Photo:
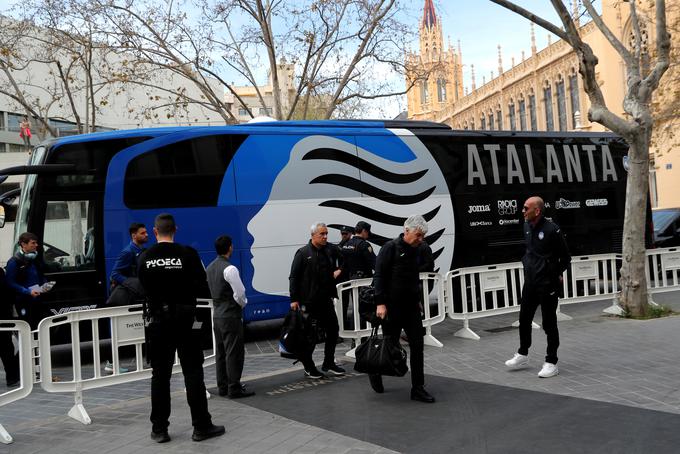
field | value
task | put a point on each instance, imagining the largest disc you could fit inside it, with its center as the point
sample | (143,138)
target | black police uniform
(313,286)
(397,286)
(172,275)
(546,258)
(358,262)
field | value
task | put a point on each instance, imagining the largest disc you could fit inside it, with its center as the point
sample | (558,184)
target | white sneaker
(517,361)
(548,370)
(108,368)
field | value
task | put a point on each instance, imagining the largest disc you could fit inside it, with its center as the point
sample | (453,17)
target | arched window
(424,95)
(511,115)
(491,120)
(499,118)
(482,122)
(547,104)
(561,104)
(441,90)
(522,114)
(573,97)
(532,110)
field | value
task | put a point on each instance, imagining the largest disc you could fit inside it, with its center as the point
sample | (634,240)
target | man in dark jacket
(546,258)
(125,266)
(10,360)
(398,298)
(229,299)
(24,276)
(313,274)
(358,262)
(172,275)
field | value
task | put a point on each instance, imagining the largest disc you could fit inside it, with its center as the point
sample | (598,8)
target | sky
(480,25)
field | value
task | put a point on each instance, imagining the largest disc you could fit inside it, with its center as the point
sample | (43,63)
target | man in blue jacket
(24,276)
(126,264)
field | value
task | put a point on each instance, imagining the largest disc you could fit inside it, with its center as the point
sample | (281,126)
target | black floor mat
(468,417)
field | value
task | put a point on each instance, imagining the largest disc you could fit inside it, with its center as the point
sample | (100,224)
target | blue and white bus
(266,183)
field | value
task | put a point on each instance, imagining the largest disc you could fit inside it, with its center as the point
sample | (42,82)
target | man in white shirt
(229,299)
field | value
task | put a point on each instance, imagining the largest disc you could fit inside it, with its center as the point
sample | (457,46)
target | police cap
(346,229)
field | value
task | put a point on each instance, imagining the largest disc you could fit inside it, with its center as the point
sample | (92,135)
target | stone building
(544,92)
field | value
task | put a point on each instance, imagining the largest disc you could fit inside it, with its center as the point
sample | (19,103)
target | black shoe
(13,383)
(376,383)
(419,393)
(339,340)
(241,393)
(333,369)
(209,432)
(314,373)
(160,437)
(222,393)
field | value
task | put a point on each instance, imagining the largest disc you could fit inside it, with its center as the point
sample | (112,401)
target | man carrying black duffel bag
(398,297)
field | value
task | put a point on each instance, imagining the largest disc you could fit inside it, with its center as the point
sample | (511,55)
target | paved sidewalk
(626,362)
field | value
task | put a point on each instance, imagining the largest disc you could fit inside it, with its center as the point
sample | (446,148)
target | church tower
(437,69)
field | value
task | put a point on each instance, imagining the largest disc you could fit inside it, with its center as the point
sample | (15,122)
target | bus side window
(68,240)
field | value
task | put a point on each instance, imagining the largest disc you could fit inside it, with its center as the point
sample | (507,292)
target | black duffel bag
(297,338)
(382,355)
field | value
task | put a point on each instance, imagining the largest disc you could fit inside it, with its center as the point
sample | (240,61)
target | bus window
(68,239)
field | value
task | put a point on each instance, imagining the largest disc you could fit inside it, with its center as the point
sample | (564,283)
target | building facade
(544,92)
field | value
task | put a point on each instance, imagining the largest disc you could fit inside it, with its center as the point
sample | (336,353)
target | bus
(266,183)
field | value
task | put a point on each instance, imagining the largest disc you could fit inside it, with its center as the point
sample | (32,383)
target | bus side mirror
(2,216)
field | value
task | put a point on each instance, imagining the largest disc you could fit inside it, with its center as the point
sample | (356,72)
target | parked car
(666,227)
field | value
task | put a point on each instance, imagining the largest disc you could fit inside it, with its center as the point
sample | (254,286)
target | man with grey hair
(398,298)
(313,274)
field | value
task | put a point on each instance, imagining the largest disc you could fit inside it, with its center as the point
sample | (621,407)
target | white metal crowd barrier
(127,329)
(663,270)
(23,333)
(484,291)
(349,291)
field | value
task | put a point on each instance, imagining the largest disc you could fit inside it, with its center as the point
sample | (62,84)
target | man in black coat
(358,262)
(398,298)
(546,258)
(10,360)
(313,274)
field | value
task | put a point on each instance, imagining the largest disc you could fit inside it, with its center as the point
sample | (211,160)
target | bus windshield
(21,223)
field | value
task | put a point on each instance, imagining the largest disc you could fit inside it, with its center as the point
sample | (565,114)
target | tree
(317,54)
(642,79)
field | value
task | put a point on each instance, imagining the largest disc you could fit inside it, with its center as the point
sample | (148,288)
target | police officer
(172,275)
(545,259)
(345,235)
(357,253)
(398,298)
(358,262)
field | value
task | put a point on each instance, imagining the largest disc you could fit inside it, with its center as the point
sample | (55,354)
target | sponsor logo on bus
(507,207)
(479,208)
(508,221)
(480,223)
(597,202)
(565,204)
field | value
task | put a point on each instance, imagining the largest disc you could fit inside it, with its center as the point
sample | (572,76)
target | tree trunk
(633,280)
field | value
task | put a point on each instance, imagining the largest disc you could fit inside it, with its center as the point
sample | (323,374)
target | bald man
(545,259)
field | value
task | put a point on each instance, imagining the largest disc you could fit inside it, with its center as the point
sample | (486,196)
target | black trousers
(410,321)
(532,298)
(230,353)
(164,338)
(324,314)
(10,361)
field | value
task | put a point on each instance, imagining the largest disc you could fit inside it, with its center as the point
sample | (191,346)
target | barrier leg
(614,309)
(650,301)
(352,352)
(561,316)
(534,325)
(430,340)
(5,437)
(465,332)
(78,411)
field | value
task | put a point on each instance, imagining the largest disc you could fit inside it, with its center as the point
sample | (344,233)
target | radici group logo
(507,207)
